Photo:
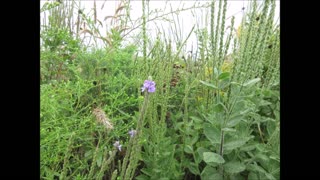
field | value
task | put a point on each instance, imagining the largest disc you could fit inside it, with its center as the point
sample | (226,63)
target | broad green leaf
(234,121)
(209,84)
(255,168)
(212,133)
(212,157)
(224,75)
(210,173)
(251,82)
(234,144)
(201,150)
(196,119)
(248,147)
(229,130)
(233,167)
(188,149)
(195,138)
(193,168)
(262,157)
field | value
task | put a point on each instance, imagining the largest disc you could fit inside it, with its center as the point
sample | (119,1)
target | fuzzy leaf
(210,173)
(193,168)
(212,157)
(234,121)
(234,144)
(188,149)
(233,167)
(251,82)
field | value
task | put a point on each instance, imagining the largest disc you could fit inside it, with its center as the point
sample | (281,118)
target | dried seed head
(102,118)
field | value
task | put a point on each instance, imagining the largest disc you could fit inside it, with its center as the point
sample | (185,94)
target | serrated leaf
(233,167)
(209,84)
(210,173)
(251,82)
(212,157)
(188,149)
(212,133)
(234,144)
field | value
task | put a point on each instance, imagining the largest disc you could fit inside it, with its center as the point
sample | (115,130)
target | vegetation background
(214,113)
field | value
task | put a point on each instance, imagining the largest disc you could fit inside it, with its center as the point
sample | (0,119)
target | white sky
(186,19)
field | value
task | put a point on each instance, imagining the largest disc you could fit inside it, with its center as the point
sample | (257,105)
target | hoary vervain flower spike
(149,85)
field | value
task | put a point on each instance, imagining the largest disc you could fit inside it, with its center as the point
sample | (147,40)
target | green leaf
(255,168)
(270,176)
(262,157)
(251,82)
(233,167)
(212,133)
(193,168)
(201,150)
(212,157)
(188,149)
(209,84)
(234,144)
(229,130)
(99,160)
(248,147)
(196,119)
(234,121)
(210,173)
(224,75)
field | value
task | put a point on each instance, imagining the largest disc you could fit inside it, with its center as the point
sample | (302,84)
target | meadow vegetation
(214,113)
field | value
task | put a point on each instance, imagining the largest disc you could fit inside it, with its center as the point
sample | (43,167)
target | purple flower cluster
(132,133)
(117,145)
(149,85)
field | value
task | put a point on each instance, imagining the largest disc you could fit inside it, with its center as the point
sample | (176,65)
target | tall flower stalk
(134,147)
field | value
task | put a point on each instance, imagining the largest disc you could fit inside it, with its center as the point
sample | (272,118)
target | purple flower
(117,145)
(149,85)
(132,133)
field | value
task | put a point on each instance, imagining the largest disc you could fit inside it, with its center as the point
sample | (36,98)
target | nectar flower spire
(149,85)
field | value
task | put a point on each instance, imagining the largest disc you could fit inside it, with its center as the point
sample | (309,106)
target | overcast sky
(186,18)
